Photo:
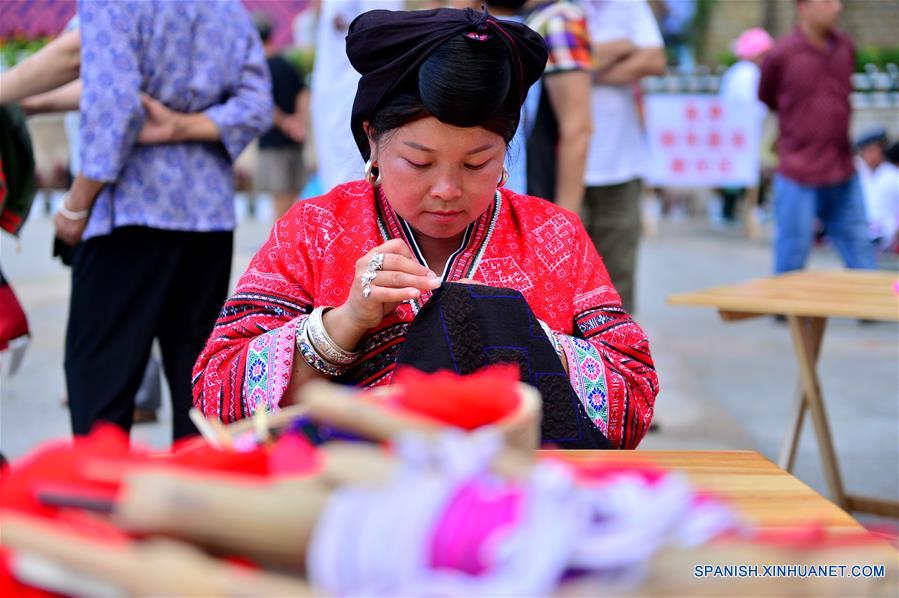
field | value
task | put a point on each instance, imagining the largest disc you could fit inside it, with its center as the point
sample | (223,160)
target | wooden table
(765,494)
(768,499)
(807,299)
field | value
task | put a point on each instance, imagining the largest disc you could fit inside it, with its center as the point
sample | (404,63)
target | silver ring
(376,263)
(371,271)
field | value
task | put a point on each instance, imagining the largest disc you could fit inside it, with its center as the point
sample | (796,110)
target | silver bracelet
(323,343)
(71,214)
(311,355)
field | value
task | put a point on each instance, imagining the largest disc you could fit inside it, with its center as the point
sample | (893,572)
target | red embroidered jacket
(519,242)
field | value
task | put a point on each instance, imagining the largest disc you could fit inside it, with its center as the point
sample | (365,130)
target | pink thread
(293,455)
(471,525)
(812,535)
(598,474)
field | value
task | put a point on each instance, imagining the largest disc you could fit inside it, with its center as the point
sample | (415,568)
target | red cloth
(467,402)
(92,468)
(13,322)
(520,242)
(10,586)
(809,88)
(60,465)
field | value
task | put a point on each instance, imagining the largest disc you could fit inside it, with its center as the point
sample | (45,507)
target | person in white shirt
(880,185)
(627,46)
(333,88)
(740,82)
(740,88)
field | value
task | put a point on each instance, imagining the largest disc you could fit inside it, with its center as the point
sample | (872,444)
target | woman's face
(438,177)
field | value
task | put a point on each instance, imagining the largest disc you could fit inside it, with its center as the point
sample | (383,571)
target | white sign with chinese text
(700,141)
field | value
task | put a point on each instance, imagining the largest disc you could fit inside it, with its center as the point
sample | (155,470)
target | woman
(333,291)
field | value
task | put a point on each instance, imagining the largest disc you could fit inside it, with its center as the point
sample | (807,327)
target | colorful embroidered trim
(588,378)
(269,365)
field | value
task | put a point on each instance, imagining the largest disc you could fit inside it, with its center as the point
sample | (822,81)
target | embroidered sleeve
(248,359)
(269,364)
(588,378)
(609,362)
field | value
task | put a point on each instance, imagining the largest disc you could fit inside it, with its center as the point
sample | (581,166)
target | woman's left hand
(69,231)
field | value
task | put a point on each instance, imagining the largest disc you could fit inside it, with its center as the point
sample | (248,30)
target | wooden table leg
(801,330)
(815,332)
(790,445)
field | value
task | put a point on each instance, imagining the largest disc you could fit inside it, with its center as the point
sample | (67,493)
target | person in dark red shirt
(806,80)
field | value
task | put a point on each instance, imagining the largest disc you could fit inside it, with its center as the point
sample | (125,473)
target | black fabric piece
(63,251)
(129,287)
(542,145)
(465,327)
(17,158)
(387,48)
(287,83)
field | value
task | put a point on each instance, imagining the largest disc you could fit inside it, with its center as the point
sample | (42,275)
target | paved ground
(723,385)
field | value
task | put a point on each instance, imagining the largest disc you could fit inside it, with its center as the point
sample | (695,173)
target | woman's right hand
(399,279)
(160,124)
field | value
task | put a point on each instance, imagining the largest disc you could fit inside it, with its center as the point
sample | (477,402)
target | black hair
(465,82)
(264,26)
(507,4)
(892,153)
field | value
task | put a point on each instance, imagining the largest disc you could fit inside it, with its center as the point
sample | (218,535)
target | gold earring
(369,172)
(503,178)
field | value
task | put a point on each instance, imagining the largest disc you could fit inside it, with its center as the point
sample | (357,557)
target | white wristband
(71,214)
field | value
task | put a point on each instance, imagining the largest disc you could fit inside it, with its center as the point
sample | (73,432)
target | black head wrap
(388,47)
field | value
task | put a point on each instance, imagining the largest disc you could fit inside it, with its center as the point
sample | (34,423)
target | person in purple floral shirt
(152,224)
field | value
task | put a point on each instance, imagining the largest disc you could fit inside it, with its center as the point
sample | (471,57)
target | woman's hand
(68,230)
(399,279)
(161,123)
(164,125)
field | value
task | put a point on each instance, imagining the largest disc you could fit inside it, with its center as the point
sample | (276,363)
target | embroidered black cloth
(387,48)
(465,327)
